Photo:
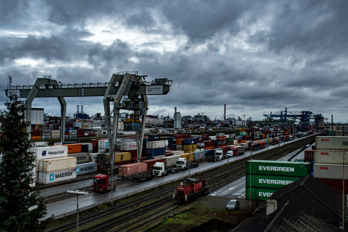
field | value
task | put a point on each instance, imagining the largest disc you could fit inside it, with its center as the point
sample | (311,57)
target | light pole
(343,192)
(251,150)
(77,193)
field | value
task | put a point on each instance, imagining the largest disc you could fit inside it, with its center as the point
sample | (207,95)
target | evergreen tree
(21,206)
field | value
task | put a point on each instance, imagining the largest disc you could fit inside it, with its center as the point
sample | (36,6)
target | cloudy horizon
(256,57)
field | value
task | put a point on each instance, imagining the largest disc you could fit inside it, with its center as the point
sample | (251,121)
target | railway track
(134,213)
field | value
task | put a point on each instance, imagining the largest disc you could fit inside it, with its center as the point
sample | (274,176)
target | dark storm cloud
(200,20)
(317,27)
(11,11)
(63,46)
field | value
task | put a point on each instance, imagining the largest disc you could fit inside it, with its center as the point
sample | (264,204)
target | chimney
(81,109)
(224,112)
(78,108)
(271,206)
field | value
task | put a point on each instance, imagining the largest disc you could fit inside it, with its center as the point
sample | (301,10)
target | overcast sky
(255,56)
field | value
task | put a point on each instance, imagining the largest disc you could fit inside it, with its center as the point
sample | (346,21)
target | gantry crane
(303,116)
(126,91)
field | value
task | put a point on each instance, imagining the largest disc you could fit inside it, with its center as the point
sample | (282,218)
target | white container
(155,144)
(331,142)
(40,144)
(128,146)
(57,176)
(330,171)
(86,168)
(330,156)
(103,143)
(170,161)
(55,164)
(82,157)
(101,150)
(49,152)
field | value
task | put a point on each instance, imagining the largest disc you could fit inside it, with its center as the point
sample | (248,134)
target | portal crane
(303,116)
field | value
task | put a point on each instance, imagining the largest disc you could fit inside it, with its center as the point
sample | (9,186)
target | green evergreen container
(261,194)
(273,182)
(278,168)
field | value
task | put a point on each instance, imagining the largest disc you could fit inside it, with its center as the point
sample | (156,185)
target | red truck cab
(101,183)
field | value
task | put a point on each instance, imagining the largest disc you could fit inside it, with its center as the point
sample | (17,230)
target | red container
(132,169)
(205,137)
(186,135)
(225,149)
(308,155)
(178,136)
(221,138)
(337,184)
(208,143)
(152,162)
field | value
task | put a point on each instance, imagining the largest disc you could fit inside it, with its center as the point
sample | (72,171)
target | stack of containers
(80,132)
(330,158)
(172,143)
(179,143)
(189,145)
(53,165)
(46,134)
(79,151)
(131,147)
(103,145)
(72,133)
(264,177)
(220,141)
(55,134)
(155,148)
(345,131)
(208,144)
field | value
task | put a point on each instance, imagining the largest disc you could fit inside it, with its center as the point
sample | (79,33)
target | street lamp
(77,193)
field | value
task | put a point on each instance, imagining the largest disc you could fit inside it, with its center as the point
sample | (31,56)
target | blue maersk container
(189,141)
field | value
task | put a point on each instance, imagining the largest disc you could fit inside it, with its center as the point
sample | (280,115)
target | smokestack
(81,109)
(78,108)
(224,111)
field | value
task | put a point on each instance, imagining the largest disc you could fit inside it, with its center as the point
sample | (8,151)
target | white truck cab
(219,154)
(181,163)
(159,169)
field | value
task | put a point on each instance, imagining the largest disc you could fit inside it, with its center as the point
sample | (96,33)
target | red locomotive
(190,188)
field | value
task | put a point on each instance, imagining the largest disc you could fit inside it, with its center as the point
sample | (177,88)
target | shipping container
(80,157)
(187,156)
(330,156)
(56,164)
(49,152)
(329,171)
(331,142)
(123,156)
(170,161)
(155,144)
(73,148)
(261,194)
(39,144)
(155,152)
(262,181)
(199,156)
(152,162)
(278,168)
(103,143)
(128,146)
(132,169)
(86,168)
(153,137)
(336,183)
(57,176)
(308,155)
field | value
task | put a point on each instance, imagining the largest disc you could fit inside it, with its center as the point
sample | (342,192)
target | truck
(238,150)
(219,154)
(190,188)
(182,164)
(160,169)
(101,183)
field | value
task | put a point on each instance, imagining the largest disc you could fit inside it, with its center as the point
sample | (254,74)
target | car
(232,205)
